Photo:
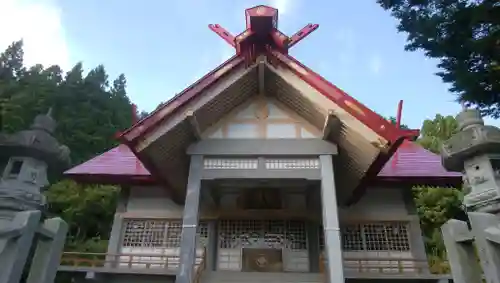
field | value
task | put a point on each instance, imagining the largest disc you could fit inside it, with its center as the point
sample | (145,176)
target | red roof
(413,161)
(114,164)
(410,161)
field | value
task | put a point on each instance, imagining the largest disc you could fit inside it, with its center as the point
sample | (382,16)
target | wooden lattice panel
(375,236)
(230,163)
(292,163)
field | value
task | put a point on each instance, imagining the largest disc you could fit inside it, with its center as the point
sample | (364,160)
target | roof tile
(411,160)
(117,161)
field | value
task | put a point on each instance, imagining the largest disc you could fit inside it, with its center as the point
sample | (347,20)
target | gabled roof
(411,161)
(261,65)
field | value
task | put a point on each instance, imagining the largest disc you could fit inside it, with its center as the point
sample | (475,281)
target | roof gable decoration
(283,75)
(158,140)
(262,37)
(262,118)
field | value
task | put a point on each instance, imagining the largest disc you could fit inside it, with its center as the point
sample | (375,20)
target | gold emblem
(261,261)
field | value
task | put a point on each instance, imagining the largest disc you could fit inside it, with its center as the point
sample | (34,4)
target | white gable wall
(379,204)
(262,118)
(152,202)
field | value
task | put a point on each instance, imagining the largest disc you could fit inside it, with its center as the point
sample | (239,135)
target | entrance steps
(260,277)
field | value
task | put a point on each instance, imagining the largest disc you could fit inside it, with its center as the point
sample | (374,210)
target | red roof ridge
(277,51)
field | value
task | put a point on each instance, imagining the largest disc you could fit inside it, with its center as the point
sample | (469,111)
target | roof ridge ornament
(261,34)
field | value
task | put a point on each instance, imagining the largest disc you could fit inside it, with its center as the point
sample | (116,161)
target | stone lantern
(474,151)
(28,159)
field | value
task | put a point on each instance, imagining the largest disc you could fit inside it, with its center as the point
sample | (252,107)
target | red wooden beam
(398,125)
(408,133)
(301,34)
(281,40)
(399,113)
(362,113)
(161,113)
(223,33)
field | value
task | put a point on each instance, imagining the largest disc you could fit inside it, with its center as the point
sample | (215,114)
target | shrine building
(262,170)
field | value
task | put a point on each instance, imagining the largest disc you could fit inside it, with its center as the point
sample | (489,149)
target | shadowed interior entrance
(267,227)
(263,245)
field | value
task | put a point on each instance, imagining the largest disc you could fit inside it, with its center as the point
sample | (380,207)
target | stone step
(260,277)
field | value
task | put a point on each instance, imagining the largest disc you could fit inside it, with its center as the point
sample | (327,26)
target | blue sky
(163,46)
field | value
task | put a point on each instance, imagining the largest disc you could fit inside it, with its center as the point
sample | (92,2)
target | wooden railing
(130,261)
(385,265)
(200,267)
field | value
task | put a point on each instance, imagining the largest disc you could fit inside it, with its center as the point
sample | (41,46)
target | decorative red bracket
(410,134)
(223,33)
(301,34)
(262,34)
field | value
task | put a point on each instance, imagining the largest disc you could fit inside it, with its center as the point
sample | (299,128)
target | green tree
(464,36)
(435,205)
(393,120)
(437,130)
(89,111)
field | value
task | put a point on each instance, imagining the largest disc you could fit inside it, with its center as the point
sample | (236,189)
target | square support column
(333,244)
(190,221)
(115,237)
(212,245)
(313,245)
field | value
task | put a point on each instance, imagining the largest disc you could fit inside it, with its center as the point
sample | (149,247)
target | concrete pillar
(333,244)
(47,255)
(417,245)
(15,243)
(461,256)
(115,241)
(485,227)
(190,221)
(313,245)
(115,236)
(212,245)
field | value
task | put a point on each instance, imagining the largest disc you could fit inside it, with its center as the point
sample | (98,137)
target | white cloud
(282,6)
(345,48)
(39,24)
(375,64)
(345,37)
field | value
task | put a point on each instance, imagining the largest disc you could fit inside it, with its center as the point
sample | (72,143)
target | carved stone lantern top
(473,139)
(39,143)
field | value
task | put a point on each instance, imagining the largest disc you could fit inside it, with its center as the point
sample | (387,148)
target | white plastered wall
(262,118)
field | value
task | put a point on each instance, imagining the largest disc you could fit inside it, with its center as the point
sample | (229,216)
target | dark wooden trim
(377,165)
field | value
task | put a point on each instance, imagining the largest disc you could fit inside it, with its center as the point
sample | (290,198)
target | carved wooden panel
(262,260)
